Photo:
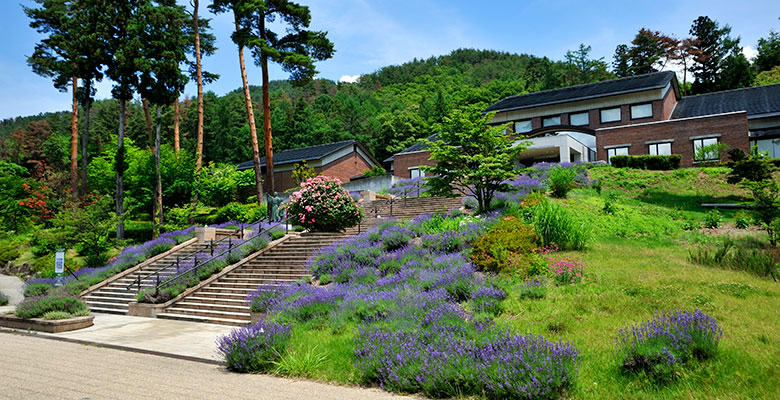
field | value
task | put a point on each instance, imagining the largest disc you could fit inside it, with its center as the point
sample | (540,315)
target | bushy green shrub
(751,168)
(37,289)
(3,300)
(326,279)
(555,225)
(56,315)
(35,307)
(742,220)
(9,251)
(712,219)
(561,180)
(246,213)
(323,205)
(656,163)
(508,236)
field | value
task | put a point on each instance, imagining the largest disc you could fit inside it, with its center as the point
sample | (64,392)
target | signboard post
(59,265)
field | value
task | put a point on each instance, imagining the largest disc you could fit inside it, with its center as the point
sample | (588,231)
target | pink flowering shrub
(566,270)
(323,205)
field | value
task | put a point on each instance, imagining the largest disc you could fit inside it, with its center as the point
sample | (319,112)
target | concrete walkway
(13,287)
(39,368)
(184,339)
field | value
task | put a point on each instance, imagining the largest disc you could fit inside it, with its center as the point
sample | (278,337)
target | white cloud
(349,78)
(750,52)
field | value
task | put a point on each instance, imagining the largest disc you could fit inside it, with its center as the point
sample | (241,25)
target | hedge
(656,163)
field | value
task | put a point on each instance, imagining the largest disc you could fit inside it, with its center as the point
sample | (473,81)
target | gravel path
(38,368)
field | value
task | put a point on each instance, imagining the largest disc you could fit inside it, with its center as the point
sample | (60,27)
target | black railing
(213,257)
(212,245)
(377,206)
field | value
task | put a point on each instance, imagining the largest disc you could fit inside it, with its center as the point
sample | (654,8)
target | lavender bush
(487,299)
(415,187)
(658,347)
(254,348)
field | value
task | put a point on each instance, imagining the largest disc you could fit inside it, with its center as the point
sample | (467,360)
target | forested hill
(386,110)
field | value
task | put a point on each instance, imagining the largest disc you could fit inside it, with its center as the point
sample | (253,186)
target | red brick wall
(732,128)
(402,163)
(344,168)
(668,104)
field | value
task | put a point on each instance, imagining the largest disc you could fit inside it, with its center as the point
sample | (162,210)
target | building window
(610,115)
(579,119)
(704,149)
(550,121)
(641,111)
(617,151)
(523,126)
(416,172)
(660,149)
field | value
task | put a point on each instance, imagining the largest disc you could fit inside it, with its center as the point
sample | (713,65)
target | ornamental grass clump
(555,225)
(323,205)
(254,348)
(659,347)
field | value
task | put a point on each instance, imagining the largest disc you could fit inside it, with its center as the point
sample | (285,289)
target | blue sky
(369,34)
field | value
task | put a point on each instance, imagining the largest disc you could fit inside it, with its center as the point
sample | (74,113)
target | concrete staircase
(223,301)
(411,207)
(114,297)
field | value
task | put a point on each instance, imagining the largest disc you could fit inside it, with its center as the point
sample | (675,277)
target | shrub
(533,289)
(656,163)
(376,170)
(323,205)
(487,299)
(300,363)
(9,251)
(325,279)
(561,180)
(712,219)
(751,168)
(509,235)
(260,299)
(658,347)
(3,300)
(245,213)
(254,348)
(55,315)
(33,289)
(555,225)
(35,307)
(395,237)
(565,270)
(742,220)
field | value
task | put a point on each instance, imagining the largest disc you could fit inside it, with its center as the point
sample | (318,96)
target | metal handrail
(375,211)
(213,257)
(212,245)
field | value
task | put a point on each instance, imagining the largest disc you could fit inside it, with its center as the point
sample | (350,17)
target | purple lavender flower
(254,348)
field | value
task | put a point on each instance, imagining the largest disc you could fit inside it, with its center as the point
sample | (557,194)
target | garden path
(37,368)
(12,287)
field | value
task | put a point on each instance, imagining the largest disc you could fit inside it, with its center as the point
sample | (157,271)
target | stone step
(250,286)
(214,300)
(101,310)
(231,315)
(193,306)
(108,299)
(107,306)
(220,295)
(207,320)
(261,279)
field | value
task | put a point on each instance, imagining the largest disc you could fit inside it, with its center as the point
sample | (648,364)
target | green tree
(768,52)
(296,51)
(768,77)
(621,61)
(473,158)
(718,62)
(165,41)
(87,228)
(583,68)
(648,52)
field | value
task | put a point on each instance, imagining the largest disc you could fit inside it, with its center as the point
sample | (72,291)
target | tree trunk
(74,144)
(148,117)
(157,216)
(176,146)
(85,136)
(269,151)
(199,78)
(120,171)
(252,127)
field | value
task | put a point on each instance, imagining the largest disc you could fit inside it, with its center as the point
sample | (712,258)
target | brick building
(637,115)
(343,160)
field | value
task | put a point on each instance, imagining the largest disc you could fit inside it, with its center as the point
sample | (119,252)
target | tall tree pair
(296,51)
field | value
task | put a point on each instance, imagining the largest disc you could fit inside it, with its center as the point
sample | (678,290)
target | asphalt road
(39,368)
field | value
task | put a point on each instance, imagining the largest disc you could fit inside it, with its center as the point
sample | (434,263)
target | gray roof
(755,100)
(655,80)
(418,146)
(303,154)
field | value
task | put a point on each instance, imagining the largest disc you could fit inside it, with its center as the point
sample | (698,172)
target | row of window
(709,152)
(582,118)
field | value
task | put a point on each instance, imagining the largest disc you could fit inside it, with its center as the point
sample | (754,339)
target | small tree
(301,172)
(473,158)
(766,199)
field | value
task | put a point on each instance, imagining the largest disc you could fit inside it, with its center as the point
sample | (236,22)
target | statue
(273,202)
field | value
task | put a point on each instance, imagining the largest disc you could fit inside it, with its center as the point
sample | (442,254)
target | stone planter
(45,325)
(256,316)
(147,310)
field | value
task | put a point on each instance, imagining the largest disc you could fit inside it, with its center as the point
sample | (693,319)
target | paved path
(12,287)
(40,368)
(179,338)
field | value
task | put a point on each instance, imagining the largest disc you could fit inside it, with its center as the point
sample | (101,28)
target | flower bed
(129,257)
(186,276)
(423,316)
